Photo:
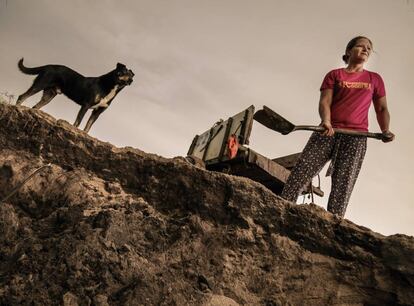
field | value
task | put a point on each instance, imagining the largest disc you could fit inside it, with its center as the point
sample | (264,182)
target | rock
(9,223)
(101,300)
(221,300)
(69,299)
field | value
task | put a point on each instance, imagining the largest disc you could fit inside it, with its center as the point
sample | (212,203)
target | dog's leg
(30,92)
(48,95)
(95,114)
(81,113)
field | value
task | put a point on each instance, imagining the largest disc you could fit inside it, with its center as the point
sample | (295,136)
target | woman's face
(360,52)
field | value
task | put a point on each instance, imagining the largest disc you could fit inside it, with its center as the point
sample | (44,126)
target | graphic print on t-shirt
(360,85)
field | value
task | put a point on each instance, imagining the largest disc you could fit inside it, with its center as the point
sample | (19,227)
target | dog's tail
(27,70)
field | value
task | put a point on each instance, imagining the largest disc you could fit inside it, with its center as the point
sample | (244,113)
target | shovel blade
(273,121)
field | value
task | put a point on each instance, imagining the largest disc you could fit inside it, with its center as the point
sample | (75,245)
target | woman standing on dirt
(346,95)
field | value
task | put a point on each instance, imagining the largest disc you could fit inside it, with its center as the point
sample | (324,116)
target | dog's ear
(120,66)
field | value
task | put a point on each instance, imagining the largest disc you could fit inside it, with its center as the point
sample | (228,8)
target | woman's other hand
(387,136)
(329,131)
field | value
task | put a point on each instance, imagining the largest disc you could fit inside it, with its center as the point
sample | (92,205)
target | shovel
(275,122)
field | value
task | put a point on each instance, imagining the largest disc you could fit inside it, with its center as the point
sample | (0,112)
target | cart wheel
(226,169)
(195,161)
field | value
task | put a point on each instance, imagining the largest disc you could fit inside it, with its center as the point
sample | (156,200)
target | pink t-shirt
(352,97)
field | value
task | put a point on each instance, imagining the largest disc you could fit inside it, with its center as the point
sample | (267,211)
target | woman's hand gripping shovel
(275,122)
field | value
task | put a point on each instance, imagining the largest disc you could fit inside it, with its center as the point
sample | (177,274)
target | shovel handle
(379,136)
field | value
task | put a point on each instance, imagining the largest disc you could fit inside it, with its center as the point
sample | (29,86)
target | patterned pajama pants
(347,154)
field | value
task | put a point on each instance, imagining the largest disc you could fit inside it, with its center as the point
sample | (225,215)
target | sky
(196,61)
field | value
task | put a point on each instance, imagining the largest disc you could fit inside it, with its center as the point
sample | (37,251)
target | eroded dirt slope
(110,226)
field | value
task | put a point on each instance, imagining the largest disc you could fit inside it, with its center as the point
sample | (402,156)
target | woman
(346,95)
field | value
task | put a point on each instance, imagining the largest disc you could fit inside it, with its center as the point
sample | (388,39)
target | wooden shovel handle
(379,136)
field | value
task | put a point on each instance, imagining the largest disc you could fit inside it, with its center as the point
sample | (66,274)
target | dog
(95,93)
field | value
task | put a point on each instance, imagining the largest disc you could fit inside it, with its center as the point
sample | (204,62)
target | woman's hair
(351,44)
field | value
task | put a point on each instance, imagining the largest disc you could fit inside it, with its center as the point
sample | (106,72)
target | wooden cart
(223,148)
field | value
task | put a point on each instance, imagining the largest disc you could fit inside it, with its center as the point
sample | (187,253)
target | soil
(117,226)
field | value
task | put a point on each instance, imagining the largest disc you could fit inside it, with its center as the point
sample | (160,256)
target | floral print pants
(346,154)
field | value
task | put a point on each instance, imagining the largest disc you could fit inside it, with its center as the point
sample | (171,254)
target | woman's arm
(325,103)
(383,118)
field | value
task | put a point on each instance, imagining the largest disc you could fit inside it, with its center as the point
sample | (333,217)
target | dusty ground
(109,226)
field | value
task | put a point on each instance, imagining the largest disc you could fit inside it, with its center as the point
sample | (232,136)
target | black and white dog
(89,92)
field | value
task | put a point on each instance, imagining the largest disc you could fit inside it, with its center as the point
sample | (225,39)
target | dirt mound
(109,226)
